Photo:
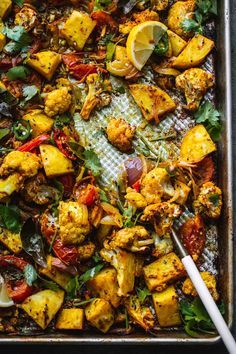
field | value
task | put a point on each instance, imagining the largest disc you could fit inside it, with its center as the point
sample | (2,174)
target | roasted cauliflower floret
(24,163)
(11,184)
(100,314)
(136,199)
(194,83)
(160,5)
(163,215)
(26,17)
(73,222)
(120,134)
(209,280)
(57,101)
(125,264)
(134,239)
(209,201)
(140,17)
(156,185)
(163,245)
(180,11)
(142,315)
(95,97)
(86,251)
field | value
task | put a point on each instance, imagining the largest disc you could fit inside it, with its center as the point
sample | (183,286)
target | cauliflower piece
(125,264)
(24,163)
(209,280)
(194,83)
(86,251)
(160,5)
(209,200)
(95,96)
(163,245)
(140,17)
(120,134)
(178,12)
(73,222)
(163,216)
(26,17)
(136,199)
(142,315)
(134,239)
(100,314)
(11,184)
(181,193)
(57,101)
(155,185)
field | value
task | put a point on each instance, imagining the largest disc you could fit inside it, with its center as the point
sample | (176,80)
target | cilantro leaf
(30,274)
(189,25)
(128,213)
(103,196)
(92,162)
(18,72)
(63,119)
(210,118)
(29,92)
(20,39)
(101,4)
(142,294)
(19,3)
(207,7)
(214,199)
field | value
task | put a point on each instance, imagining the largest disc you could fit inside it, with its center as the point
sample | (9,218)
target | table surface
(213,349)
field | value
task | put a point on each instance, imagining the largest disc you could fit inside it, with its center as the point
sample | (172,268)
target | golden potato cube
(5,8)
(39,122)
(177,43)
(105,285)
(43,306)
(61,278)
(78,28)
(45,63)
(2,36)
(194,53)
(11,240)
(167,307)
(163,271)
(153,101)
(100,314)
(70,319)
(54,162)
(196,145)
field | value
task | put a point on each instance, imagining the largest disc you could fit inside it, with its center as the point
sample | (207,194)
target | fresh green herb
(111,47)
(142,294)
(106,39)
(19,3)
(170,173)
(22,130)
(103,196)
(62,120)
(96,258)
(30,274)
(29,92)
(4,132)
(72,287)
(196,318)
(81,303)
(18,72)
(92,162)
(77,149)
(10,217)
(48,284)
(162,46)
(101,4)
(210,118)
(214,199)
(207,7)
(190,25)
(89,274)
(20,39)
(119,89)
(127,216)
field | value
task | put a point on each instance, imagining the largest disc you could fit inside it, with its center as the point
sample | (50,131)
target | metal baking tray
(170,336)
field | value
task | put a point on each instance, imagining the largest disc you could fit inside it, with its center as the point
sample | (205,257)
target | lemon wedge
(142,40)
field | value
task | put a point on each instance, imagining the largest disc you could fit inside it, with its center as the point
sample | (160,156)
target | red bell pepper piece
(136,186)
(68,254)
(32,144)
(103,18)
(18,290)
(61,141)
(88,195)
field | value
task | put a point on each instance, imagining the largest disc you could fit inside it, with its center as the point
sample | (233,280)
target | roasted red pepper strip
(136,186)
(88,195)
(17,290)
(103,19)
(61,141)
(32,144)
(68,254)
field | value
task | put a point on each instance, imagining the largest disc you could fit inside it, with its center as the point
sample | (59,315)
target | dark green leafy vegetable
(32,242)
(92,162)
(62,120)
(10,217)
(20,39)
(4,132)
(196,318)
(22,129)
(18,72)
(142,294)
(30,274)
(162,46)
(19,3)
(210,118)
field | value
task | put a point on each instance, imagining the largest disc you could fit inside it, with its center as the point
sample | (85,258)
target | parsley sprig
(210,118)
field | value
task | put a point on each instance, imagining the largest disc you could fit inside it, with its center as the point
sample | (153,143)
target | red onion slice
(134,169)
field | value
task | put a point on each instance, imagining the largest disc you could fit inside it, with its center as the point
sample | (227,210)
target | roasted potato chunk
(78,28)
(153,101)
(11,240)
(194,83)
(2,37)
(177,43)
(39,122)
(43,306)
(55,274)
(70,319)
(120,134)
(141,315)
(54,161)
(5,8)
(45,63)
(105,286)
(194,53)
(209,280)
(178,12)
(166,307)
(196,145)
(100,314)
(209,201)
(163,271)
